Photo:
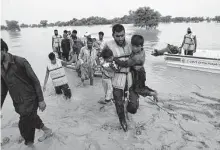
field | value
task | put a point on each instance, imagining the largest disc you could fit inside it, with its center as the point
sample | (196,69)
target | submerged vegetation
(142,17)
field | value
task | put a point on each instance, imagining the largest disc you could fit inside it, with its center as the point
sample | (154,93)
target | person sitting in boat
(56,71)
(189,43)
(136,62)
(170,49)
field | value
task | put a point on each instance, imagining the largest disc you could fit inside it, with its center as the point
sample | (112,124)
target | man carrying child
(122,81)
(136,62)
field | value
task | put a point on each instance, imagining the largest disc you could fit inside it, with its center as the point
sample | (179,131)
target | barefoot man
(122,80)
(18,78)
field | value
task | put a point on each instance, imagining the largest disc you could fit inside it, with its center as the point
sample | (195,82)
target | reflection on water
(14,35)
(35,45)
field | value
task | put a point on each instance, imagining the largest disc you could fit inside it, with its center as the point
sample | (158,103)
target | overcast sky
(32,11)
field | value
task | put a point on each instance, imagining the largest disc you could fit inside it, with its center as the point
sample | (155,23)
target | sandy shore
(182,123)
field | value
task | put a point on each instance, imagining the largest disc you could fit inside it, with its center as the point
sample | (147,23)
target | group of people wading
(123,76)
(121,62)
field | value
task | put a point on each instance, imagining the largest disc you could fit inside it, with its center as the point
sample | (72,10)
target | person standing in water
(56,43)
(189,43)
(58,75)
(101,41)
(108,71)
(87,59)
(66,45)
(136,62)
(19,79)
(122,80)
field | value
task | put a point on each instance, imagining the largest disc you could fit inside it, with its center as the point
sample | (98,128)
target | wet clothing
(25,90)
(65,89)
(87,60)
(122,82)
(136,63)
(28,123)
(86,72)
(133,102)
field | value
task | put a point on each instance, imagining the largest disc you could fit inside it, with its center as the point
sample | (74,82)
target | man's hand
(42,105)
(154,94)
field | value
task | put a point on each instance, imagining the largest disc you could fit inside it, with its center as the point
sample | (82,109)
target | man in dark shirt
(66,45)
(18,78)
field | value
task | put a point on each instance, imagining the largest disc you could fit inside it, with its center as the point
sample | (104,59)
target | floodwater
(188,117)
(35,44)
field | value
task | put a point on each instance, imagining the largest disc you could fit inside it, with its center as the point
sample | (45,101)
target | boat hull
(193,63)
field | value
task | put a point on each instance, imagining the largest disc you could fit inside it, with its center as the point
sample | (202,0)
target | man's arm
(4,91)
(73,59)
(128,63)
(195,40)
(71,45)
(46,78)
(61,49)
(34,80)
(81,53)
(52,41)
(183,42)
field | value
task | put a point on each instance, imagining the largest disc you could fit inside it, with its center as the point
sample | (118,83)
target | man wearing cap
(86,36)
(189,43)
(19,79)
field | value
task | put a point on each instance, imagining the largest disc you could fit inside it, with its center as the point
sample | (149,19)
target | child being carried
(136,62)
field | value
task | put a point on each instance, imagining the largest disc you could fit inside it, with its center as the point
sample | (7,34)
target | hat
(87,34)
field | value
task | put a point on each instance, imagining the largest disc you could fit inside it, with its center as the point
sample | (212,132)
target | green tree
(43,23)
(50,24)
(217,18)
(146,17)
(12,25)
(24,25)
(166,19)
(3,27)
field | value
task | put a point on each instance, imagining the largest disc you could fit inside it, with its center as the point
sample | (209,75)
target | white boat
(193,62)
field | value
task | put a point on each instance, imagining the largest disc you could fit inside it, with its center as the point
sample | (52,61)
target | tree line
(142,17)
